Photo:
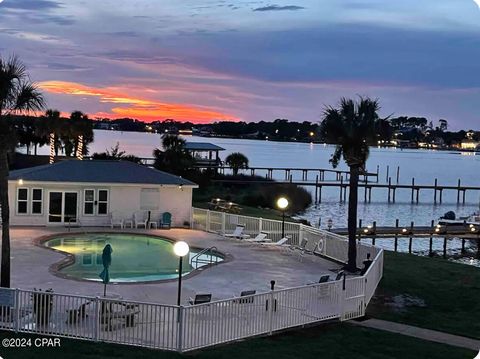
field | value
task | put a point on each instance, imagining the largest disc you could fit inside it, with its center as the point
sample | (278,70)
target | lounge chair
(323,279)
(200,299)
(119,318)
(237,233)
(116,219)
(246,293)
(74,316)
(339,275)
(281,243)
(261,237)
(140,218)
(166,220)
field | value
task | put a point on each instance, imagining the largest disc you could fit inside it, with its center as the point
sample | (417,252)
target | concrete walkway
(421,333)
(251,267)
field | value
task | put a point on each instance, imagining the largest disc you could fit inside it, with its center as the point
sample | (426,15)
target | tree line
(32,132)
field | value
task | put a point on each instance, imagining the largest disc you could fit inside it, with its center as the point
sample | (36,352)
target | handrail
(196,258)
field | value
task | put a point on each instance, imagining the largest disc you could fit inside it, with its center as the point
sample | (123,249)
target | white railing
(184,328)
(326,243)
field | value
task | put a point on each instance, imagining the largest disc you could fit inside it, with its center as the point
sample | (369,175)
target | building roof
(96,171)
(202,146)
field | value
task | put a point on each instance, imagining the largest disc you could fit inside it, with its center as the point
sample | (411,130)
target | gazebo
(204,153)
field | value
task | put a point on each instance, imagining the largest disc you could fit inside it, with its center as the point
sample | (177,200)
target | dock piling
(430,244)
(395,245)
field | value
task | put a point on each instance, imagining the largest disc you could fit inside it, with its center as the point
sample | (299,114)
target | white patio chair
(155,220)
(260,238)
(141,219)
(297,249)
(237,233)
(309,249)
(116,219)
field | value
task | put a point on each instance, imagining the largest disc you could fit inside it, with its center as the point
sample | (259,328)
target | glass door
(62,207)
(70,207)
(55,202)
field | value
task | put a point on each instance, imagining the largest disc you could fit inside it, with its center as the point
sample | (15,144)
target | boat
(450,220)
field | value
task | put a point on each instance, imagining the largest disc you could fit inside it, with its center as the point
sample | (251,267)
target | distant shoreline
(457,150)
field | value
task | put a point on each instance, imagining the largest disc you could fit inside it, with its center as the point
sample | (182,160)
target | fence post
(343,295)
(18,306)
(223,223)
(364,291)
(271,308)
(300,234)
(180,329)
(260,224)
(207,225)
(96,327)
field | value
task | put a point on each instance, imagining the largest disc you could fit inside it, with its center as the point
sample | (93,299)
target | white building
(87,192)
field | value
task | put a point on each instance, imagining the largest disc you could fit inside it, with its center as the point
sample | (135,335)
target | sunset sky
(208,60)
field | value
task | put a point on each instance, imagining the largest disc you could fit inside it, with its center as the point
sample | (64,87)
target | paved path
(421,333)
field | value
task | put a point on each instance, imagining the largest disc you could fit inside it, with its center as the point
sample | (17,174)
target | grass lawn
(330,341)
(450,291)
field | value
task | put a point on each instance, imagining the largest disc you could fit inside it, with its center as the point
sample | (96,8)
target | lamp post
(180,249)
(282,203)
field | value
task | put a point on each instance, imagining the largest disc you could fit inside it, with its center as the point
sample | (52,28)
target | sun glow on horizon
(135,106)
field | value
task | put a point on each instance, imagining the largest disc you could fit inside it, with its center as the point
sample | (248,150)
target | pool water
(135,258)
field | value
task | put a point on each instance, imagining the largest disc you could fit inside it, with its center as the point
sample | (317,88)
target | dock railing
(185,328)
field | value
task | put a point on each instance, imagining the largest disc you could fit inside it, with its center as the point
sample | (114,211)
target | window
(102,202)
(22,201)
(95,199)
(149,198)
(37,201)
(88,202)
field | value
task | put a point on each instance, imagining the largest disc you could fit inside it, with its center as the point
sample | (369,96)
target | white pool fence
(185,328)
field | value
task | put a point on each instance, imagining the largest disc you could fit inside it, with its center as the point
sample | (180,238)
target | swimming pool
(135,258)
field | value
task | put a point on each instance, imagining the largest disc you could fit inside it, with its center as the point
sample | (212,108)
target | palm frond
(29,98)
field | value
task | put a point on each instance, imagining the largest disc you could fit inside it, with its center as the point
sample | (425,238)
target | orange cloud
(135,107)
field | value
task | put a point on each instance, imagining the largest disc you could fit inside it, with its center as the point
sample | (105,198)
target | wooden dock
(343,185)
(418,233)
(288,173)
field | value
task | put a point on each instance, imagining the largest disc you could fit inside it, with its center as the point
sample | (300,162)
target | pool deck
(251,267)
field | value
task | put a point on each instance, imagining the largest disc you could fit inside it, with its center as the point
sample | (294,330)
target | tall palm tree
(352,128)
(236,161)
(47,124)
(81,126)
(17,94)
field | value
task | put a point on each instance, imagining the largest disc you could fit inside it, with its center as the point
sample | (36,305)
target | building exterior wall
(124,200)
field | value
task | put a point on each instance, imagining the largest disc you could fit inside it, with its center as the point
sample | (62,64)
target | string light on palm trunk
(52,148)
(79,153)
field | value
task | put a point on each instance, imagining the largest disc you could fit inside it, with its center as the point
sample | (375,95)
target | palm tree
(81,126)
(174,157)
(236,161)
(352,128)
(47,124)
(17,94)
